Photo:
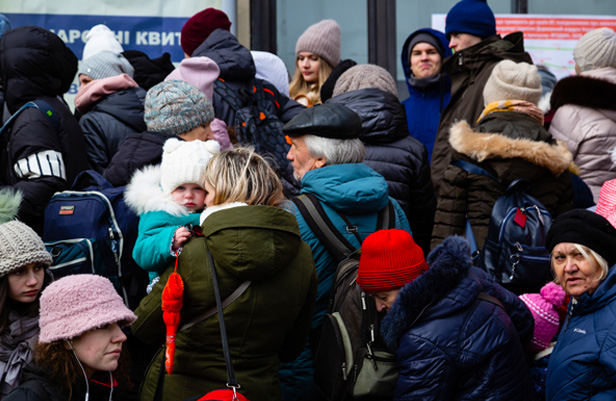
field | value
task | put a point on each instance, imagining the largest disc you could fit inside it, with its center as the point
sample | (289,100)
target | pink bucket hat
(79,303)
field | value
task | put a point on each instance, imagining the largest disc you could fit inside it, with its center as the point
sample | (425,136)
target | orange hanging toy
(173,296)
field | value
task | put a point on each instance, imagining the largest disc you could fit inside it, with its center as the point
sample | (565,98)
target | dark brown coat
(516,147)
(469,70)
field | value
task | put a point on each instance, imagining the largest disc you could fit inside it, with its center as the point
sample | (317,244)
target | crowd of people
(212,155)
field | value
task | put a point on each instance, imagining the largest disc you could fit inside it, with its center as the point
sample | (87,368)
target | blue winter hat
(471,16)
(5,24)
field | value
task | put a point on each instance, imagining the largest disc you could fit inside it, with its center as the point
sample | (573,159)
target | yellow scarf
(518,106)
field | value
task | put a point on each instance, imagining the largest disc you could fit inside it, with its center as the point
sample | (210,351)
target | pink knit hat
(543,307)
(606,206)
(201,72)
(75,304)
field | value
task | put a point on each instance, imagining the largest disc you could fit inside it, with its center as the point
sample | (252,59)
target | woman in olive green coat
(251,239)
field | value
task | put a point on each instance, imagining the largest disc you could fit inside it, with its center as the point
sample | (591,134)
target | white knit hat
(19,246)
(100,38)
(596,49)
(322,39)
(513,81)
(184,162)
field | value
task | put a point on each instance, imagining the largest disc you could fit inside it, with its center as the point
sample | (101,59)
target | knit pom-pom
(553,293)
(212,146)
(171,145)
(9,204)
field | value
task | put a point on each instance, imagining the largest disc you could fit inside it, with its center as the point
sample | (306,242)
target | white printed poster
(549,39)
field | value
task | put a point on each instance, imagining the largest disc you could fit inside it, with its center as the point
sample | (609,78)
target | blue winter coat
(583,363)
(449,344)
(358,192)
(425,105)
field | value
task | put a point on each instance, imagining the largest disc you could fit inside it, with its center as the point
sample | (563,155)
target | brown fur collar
(584,91)
(482,146)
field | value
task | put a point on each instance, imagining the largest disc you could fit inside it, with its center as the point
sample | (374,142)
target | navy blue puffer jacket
(449,344)
(583,363)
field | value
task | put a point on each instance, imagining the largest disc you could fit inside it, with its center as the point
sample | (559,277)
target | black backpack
(514,252)
(255,125)
(350,360)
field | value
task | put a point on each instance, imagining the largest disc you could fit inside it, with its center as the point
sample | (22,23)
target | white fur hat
(184,162)
(596,49)
(100,38)
(513,81)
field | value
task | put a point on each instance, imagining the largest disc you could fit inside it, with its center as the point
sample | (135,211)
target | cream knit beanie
(596,49)
(513,81)
(19,246)
(322,39)
(184,162)
(365,76)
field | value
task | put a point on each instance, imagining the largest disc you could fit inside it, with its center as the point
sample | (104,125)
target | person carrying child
(169,199)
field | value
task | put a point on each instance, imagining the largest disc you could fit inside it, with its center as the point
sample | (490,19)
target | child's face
(191,196)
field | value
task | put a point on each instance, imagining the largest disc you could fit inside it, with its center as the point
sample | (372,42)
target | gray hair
(335,151)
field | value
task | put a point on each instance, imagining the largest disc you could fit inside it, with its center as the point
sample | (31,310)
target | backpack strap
(472,168)
(39,104)
(321,225)
(489,298)
(387,217)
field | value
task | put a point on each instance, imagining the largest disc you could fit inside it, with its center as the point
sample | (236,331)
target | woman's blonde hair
(298,87)
(241,175)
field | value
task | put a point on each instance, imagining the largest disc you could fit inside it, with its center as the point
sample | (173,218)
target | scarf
(517,106)
(89,94)
(16,349)
(422,83)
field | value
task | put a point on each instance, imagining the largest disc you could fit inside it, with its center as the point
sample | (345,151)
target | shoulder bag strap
(213,310)
(231,380)
(472,168)
(321,225)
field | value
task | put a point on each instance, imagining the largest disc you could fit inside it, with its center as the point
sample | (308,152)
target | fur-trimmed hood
(439,289)
(593,89)
(481,146)
(144,194)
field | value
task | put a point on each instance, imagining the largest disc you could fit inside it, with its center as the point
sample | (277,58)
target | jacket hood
(252,242)
(383,118)
(555,157)
(594,89)
(149,72)
(491,49)
(144,194)
(445,288)
(126,106)
(404,56)
(34,62)
(233,59)
(353,187)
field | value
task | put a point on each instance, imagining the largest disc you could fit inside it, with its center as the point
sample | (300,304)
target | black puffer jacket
(137,150)
(108,123)
(398,157)
(237,68)
(36,386)
(149,71)
(36,64)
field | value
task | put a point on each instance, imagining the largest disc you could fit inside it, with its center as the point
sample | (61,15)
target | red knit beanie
(389,259)
(199,27)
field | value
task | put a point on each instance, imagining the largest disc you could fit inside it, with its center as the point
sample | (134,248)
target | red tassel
(172,302)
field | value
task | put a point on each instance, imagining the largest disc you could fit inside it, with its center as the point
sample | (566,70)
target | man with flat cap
(327,158)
